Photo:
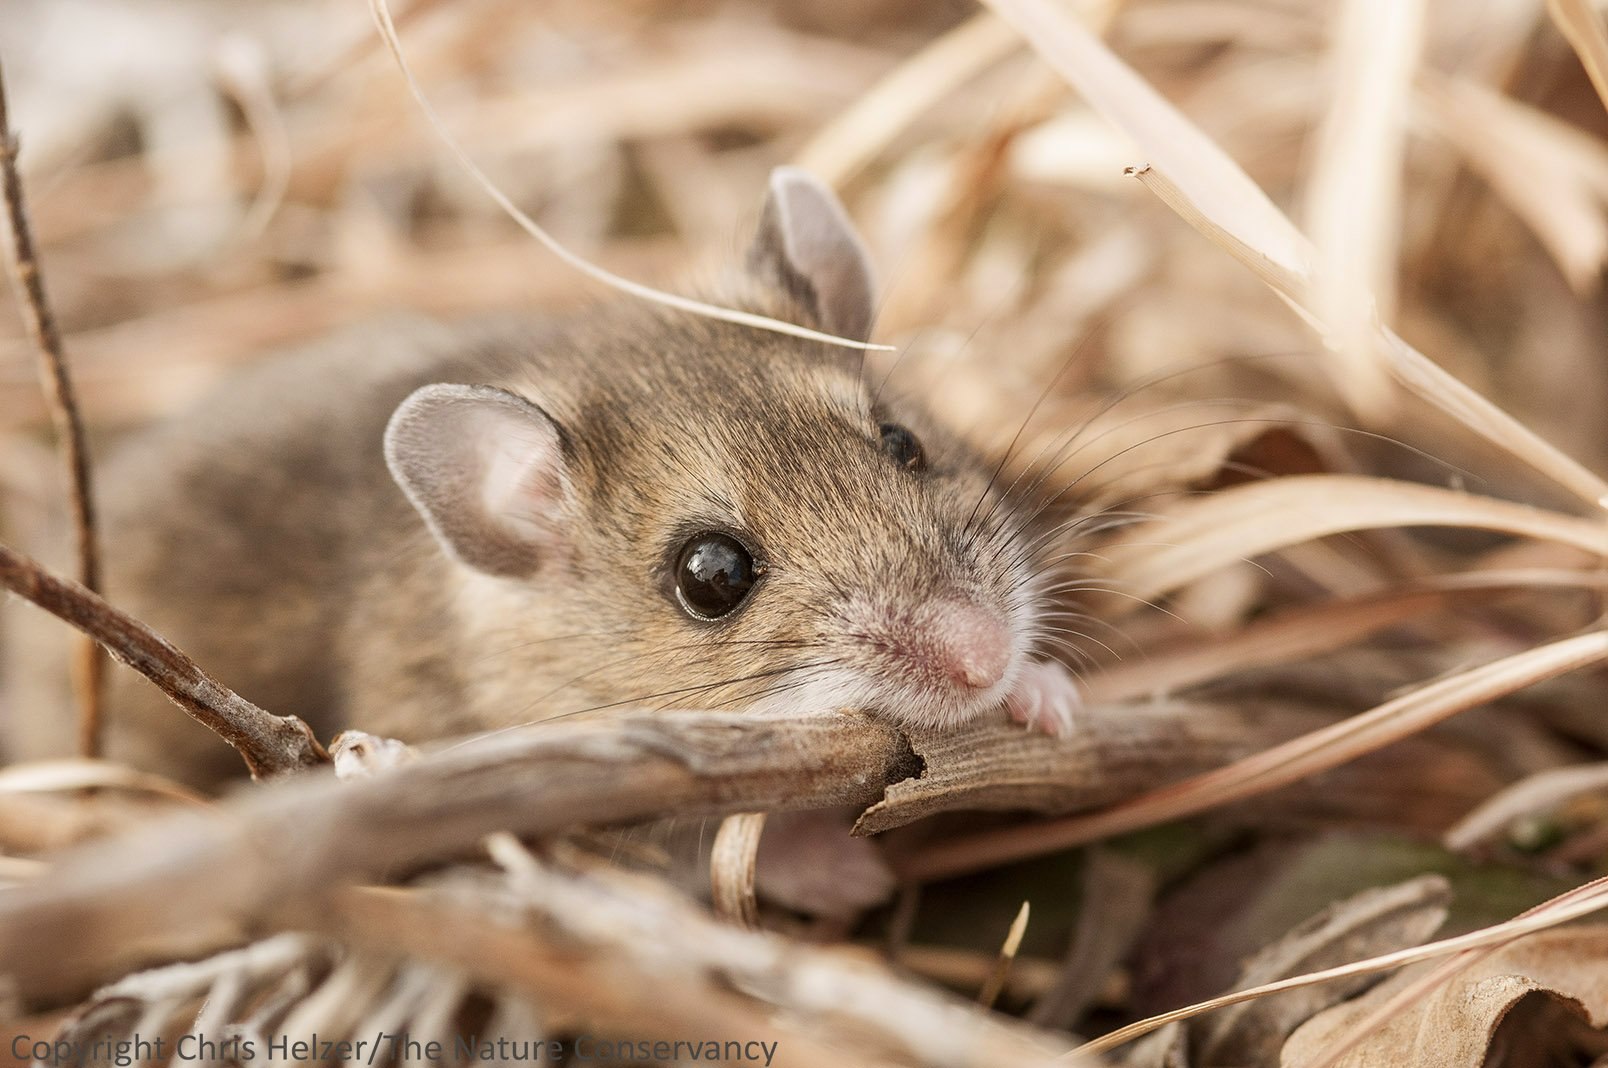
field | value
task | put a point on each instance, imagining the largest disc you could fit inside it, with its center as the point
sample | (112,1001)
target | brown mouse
(422,531)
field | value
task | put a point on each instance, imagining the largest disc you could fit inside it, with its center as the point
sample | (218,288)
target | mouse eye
(902,445)
(713,575)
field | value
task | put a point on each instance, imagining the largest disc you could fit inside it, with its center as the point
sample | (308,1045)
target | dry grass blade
(1552,174)
(1581,23)
(1297,633)
(1353,199)
(1198,537)
(1007,956)
(28,278)
(387,28)
(1272,768)
(1290,279)
(59,775)
(1172,143)
(731,869)
(270,745)
(841,149)
(244,69)
(1572,906)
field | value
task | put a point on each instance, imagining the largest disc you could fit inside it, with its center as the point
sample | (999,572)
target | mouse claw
(1045,699)
(359,755)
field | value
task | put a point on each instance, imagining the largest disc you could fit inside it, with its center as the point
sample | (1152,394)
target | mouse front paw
(1045,699)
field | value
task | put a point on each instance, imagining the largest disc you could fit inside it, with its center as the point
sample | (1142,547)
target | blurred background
(211,181)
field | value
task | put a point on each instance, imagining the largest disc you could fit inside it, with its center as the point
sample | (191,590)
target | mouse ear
(807,244)
(486,469)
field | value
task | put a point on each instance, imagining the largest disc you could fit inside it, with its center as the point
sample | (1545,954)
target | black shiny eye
(902,445)
(713,575)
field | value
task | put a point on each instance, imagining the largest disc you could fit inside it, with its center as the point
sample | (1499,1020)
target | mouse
(423,530)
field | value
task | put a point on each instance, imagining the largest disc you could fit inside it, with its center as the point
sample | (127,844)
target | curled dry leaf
(1453,1027)
(731,868)
(1252,1031)
(1368,924)
(808,862)
(1539,793)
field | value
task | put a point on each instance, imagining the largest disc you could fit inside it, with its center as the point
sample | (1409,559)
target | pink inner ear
(485,469)
(520,485)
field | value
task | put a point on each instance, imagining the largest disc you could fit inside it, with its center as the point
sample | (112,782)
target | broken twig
(270,745)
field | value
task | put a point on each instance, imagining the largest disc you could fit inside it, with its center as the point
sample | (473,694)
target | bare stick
(270,745)
(184,887)
(89,667)
(196,884)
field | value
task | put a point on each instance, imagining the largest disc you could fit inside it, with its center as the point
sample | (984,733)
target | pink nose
(971,644)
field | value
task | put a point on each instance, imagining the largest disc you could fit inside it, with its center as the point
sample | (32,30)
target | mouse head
(706,515)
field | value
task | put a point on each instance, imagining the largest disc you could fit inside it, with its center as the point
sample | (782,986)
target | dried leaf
(1453,1028)
(1365,925)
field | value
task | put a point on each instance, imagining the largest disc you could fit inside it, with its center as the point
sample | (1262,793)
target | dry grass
(1352,471)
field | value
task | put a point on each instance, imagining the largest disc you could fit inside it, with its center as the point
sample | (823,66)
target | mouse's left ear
(486,470)
(808,246)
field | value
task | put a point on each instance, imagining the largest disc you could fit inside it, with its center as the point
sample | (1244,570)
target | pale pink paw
(1045,698)
(809,862)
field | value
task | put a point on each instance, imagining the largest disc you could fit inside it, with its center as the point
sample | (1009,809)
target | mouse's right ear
(807,245)
(486,469)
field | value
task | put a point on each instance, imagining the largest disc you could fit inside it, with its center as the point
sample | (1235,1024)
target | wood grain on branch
(189,886)
(89,666)
(270,745)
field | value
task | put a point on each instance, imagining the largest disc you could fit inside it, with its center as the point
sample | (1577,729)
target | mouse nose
(971,644)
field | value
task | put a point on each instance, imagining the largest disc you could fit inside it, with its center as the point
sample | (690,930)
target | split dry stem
(89,666)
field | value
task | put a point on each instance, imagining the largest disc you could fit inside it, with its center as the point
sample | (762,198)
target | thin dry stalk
(1353,198)
(1298,633)
(1007,956)
(1567,906)
(851,141)
(387,28)
(270,745)
(89,667)
(1200,536)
